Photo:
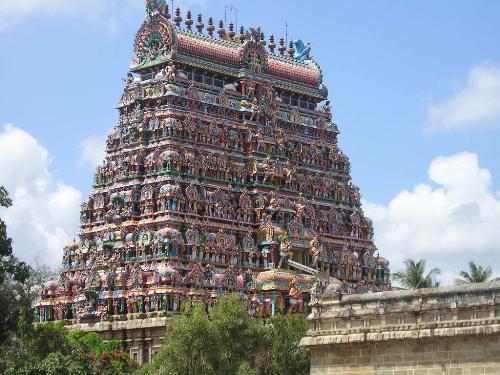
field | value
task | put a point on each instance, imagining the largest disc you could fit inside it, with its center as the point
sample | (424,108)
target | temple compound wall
(452,330)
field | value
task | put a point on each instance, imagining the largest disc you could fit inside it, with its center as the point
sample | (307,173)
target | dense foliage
(285,356)
(13,275)
(229,341)
(49,349)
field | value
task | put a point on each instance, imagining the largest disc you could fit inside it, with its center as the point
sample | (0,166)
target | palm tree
(476,274)
(414,276)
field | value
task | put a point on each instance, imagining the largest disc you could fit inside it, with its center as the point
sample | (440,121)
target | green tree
(285,355)
(10,267)
(476,274)
(189,347)
(229,341)
(239,336)
(12,274)
(215,343)
(414,276)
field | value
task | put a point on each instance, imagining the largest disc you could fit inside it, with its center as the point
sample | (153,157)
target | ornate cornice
(406,314)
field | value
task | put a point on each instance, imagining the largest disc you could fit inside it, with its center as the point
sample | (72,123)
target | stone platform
(452,330)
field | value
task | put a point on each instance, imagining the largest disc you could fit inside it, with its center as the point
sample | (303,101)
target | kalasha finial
(291,50)
(262,39)
(282,47)
(210,27)
(199,24)
(271,44)
(221,30)
(189,20)
(231,32)
(167,12)
(242,35)
(178,18)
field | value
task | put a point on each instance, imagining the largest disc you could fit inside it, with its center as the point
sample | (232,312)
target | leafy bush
(49,349)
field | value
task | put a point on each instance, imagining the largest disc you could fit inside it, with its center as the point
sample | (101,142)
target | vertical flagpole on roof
(286,33)
(236,10)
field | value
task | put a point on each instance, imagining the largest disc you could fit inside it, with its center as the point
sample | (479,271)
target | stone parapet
(458,310)
(119,325)
(452,330)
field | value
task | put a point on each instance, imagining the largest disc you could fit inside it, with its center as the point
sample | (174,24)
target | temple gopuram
(222,175)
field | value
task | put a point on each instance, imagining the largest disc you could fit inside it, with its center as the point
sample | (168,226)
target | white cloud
(476,103)
(44,215)
(92,151)
(449,222)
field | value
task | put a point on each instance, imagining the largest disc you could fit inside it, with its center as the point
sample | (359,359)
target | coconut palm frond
(476,274)
(414,275)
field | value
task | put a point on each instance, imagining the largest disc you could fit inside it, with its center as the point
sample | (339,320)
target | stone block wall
(438,356)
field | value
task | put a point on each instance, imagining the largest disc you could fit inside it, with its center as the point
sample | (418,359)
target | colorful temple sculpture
(222,175)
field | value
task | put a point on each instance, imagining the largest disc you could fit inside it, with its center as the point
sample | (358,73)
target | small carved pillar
(274,296)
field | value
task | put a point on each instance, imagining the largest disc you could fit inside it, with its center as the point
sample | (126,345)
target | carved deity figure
(314,251)
(295,300)
(255,110)
(285,248)
(170,73)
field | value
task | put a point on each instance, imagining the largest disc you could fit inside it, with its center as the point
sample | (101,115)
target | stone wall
(454,330)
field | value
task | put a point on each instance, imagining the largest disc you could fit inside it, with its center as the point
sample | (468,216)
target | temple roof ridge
(164,38)
(236,44)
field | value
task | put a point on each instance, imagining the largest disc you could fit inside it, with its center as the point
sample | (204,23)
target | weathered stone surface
(453,330)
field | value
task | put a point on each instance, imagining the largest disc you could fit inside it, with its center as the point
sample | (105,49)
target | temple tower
(223,166)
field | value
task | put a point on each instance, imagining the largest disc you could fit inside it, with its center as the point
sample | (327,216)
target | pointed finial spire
(221,30)
(291,50)
(282,47)
(167,12)
(271,44)
(262,39)
(210,27)
(231,32)
(199,24)
(189,20)
(242,35)
(178,18)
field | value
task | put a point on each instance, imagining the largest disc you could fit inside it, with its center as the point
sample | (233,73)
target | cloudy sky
(415,85)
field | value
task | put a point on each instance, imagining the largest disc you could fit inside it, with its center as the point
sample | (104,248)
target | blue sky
(411,81)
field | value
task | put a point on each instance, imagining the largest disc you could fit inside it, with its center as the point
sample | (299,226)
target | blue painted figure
(301,51)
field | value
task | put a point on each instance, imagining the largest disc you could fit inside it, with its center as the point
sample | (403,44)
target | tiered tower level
(223,166)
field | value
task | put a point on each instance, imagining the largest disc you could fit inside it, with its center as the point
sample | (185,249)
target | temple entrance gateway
(222,175)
